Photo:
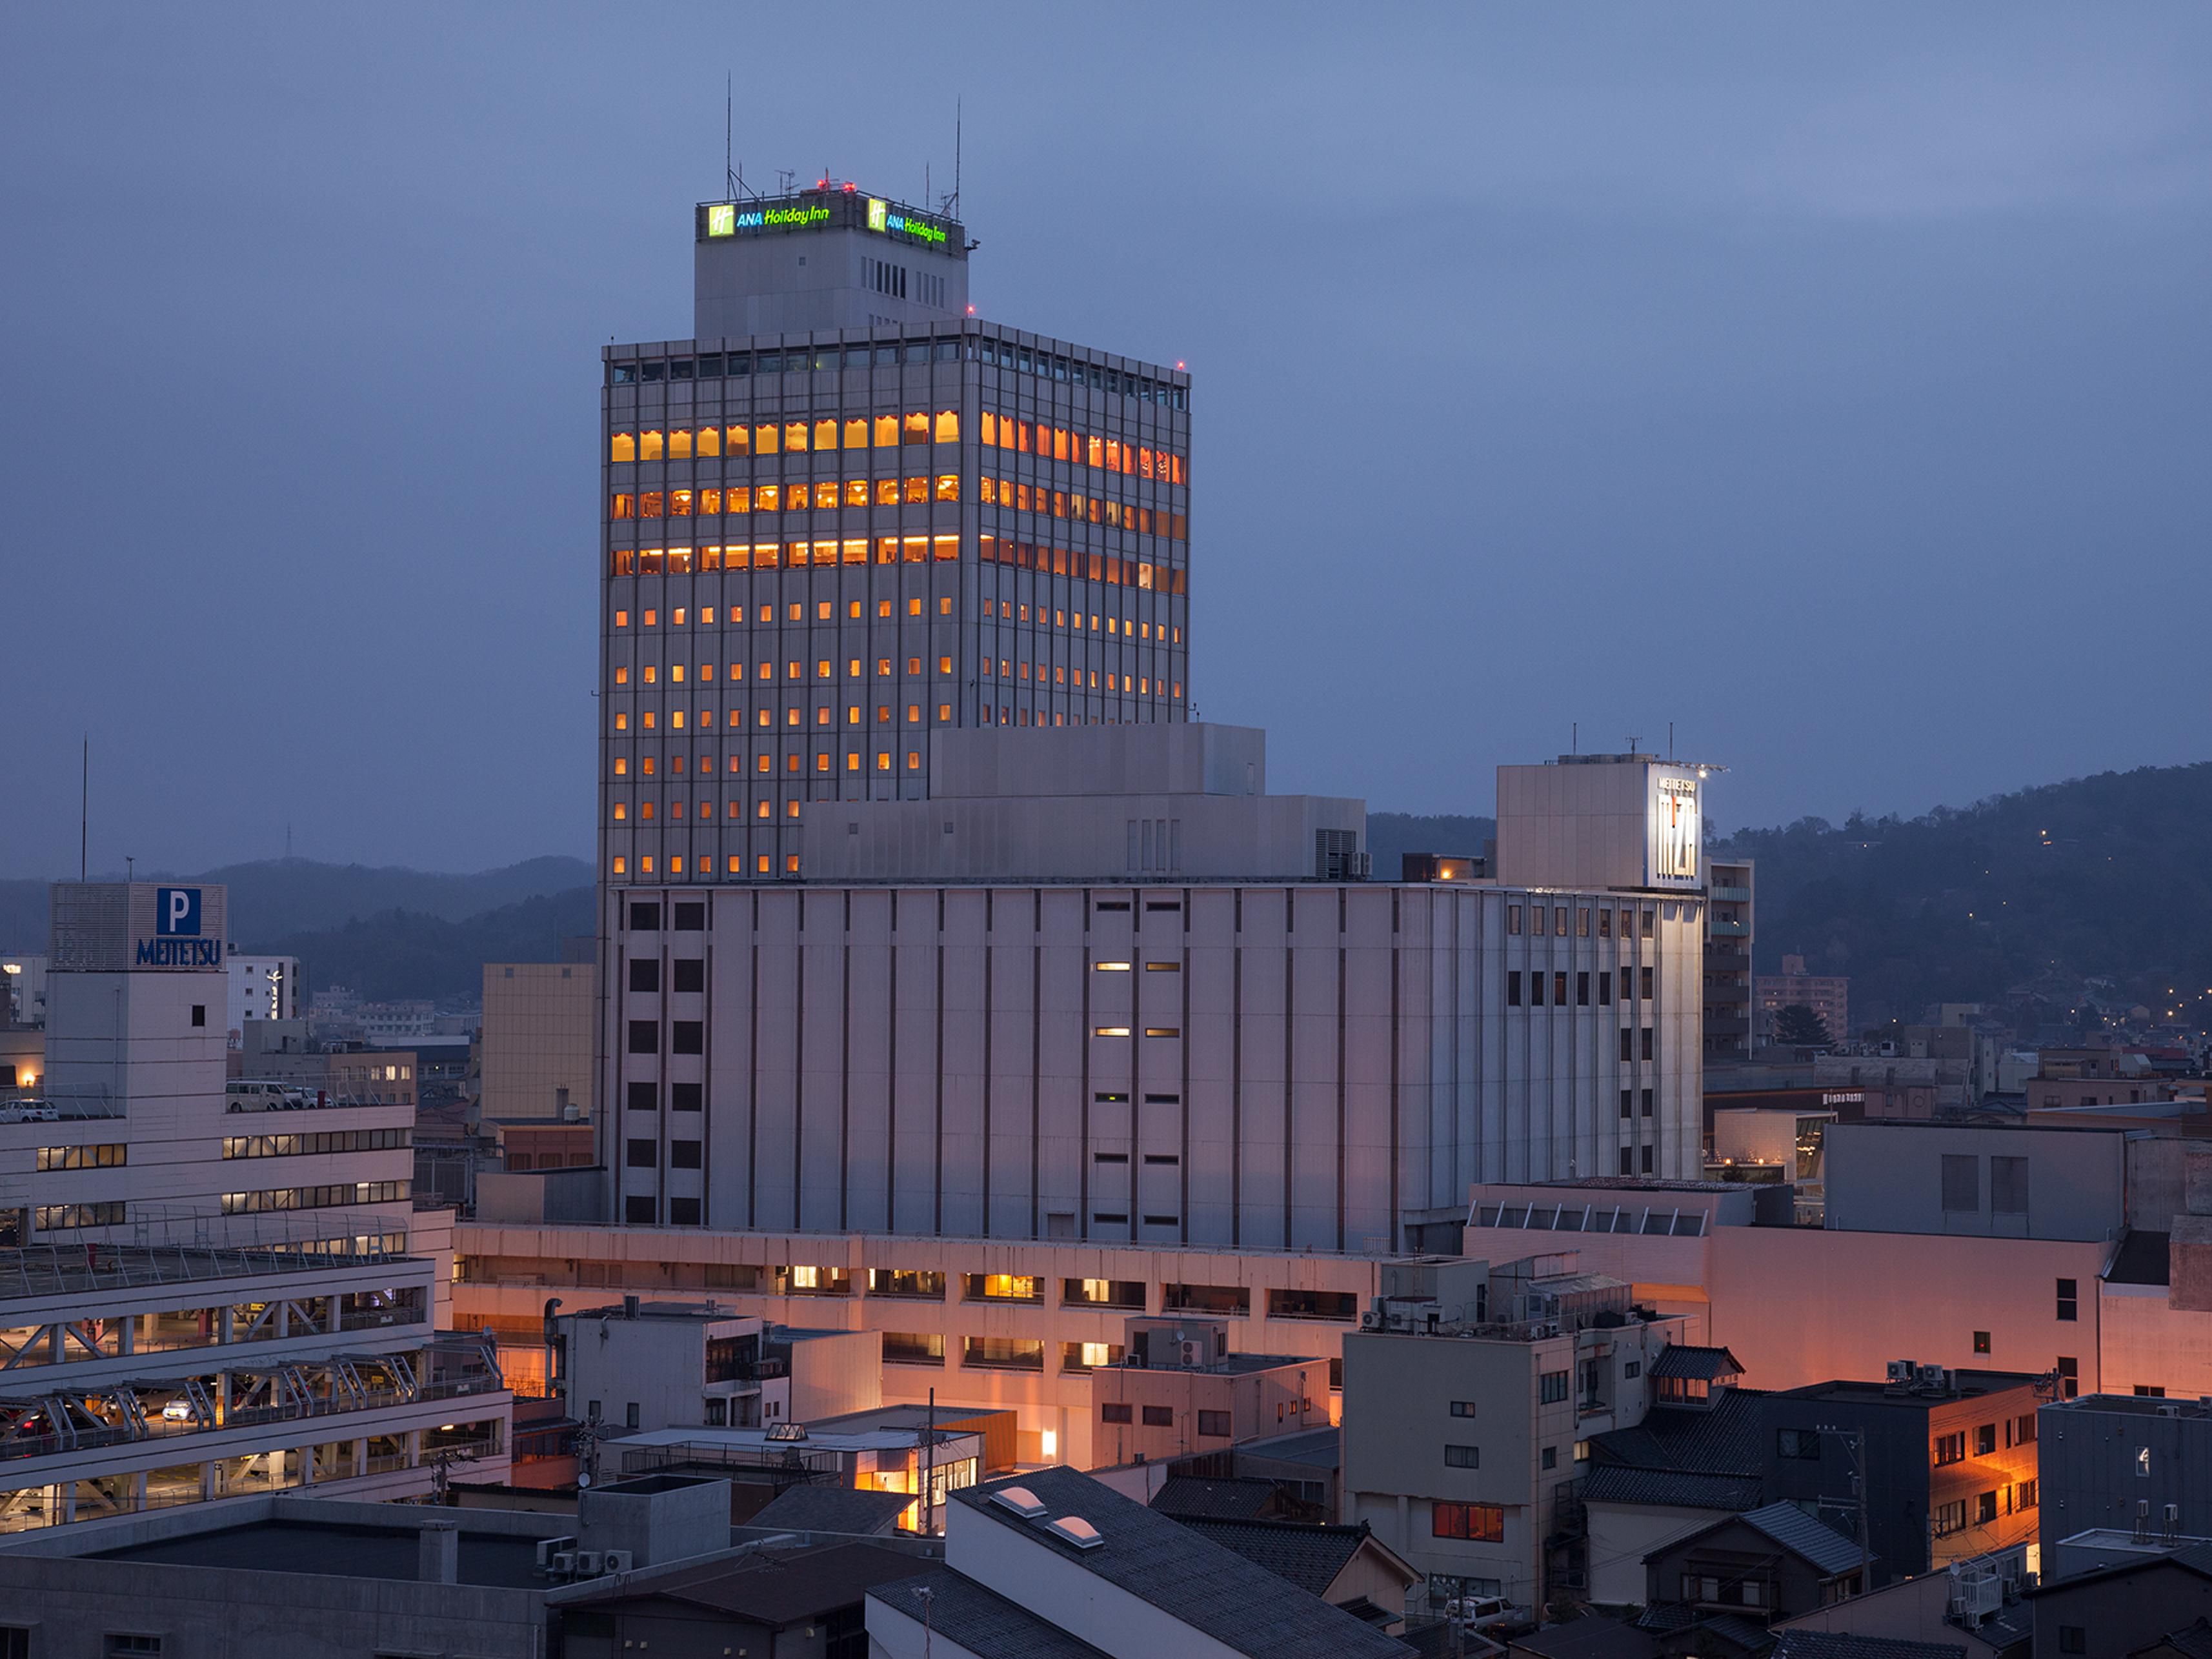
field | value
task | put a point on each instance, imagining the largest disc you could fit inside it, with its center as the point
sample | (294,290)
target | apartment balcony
(1724,959)
(1728,895)
(1720,929)
(1726,1025)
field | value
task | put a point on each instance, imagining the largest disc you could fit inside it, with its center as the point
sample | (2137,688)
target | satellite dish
(583,1477)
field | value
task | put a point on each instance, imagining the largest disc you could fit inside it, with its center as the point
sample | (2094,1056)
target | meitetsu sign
(119,927)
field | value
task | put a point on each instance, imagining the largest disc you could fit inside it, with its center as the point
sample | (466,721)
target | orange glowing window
(887,492)
(710,440)
(990,428)
(645,865)
(710,501)
(856,492)
(621,865)
(1059,443)
(649,446)
(622,447)
(680,503)
(825,494)
(649,504)
(622,766)
(645,811)
(917,489)
(624,507)
(738,499)
(913,760)
(948,486)
(825,434)
(648,727)
(1096,447)
(679,444)
(854,551)
(769,498)
(914,429)
(1112,454)
(651,673)
(621,812)
(856,434)
(764,440)
(740,440)
(622,619)
(622,675)
(795,437)
(1021,437)
(887,431)
(948,426)
(622,722)
(1145,462)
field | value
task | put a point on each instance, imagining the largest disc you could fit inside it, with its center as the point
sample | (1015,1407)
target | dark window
(683,1097)
(1551,1457)
(1535,990)
(1799,1444)
(1646,1162)
(1627,1043)
(1215,1424)
(1650,1049)
(2072,1639)
(637,1210)
(630,1415)
(1962,1184)
(645,917)
(1950,1449)
(684,1211)
(1981,1341)
(1513,988)
(199,1017)
(691,974)
(2070,1376)
(131,1647)
(1648,1100)
(1628,1160)
(1159,1417)
(683,1154)
(1582,990)
(2009,1185)
(644,1037)
(2069,1298)
(1628,1102)
(1559,987)
(1313,1304)
(1985,1508)
(15,1642)
(641,1155)
(1206,1298)
(1604,985)
(1648,978)
(1110,1412)
(1551,1387)
(691,918)
(1463,1408)
(1985,1439)
(1462,1457)
(688,1036)
(644,973)
(641,1098)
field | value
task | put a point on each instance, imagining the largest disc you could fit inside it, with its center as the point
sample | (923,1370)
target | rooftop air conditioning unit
(1369,1321)
(587,1564)
(1931,1376)
(1190,1355)
(616,1560)
(1901,1370)
(548,1548)
(563,1562)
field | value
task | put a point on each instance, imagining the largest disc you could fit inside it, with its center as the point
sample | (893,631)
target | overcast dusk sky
(1834,382)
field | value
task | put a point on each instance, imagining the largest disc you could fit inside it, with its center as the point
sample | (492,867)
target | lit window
(622,766)
(621,812)
(856,495)
(914,608)
(794,436)
(856,434)
(621,865)
(622,619)
(825,434)
(944,665)
(912,760)
(710,440)
(622,447)
(622,722)
(948,426)
(915,429)
(883,762)
(948,487)
(649,446)
(679,444)
(887,431)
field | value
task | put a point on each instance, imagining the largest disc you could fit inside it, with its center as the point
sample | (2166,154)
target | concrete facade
(539,1022)
(1300,1065)
(1996,1182)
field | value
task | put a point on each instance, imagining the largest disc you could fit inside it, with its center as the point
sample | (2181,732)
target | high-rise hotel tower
(847,514)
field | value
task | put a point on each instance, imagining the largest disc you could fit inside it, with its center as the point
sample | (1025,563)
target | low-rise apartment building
(1467,1414)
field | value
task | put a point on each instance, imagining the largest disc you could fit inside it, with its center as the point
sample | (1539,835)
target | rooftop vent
(1075,1530)
(1020,1499)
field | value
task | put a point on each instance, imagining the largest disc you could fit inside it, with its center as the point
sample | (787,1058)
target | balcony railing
(1720,929)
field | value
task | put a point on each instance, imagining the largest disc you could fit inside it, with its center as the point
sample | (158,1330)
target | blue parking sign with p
(176,912)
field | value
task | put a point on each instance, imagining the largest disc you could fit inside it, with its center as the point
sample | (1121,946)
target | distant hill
(1392,835)
(2019,897)
(399,954)
(277,899)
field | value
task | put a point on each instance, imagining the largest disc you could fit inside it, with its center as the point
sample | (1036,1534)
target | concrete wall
(1621,1536)
(1589,823)
(2102,1458)
(1799,1306)
(1886,1177)
(2120,1615)
(539,1019)
(1308,1063)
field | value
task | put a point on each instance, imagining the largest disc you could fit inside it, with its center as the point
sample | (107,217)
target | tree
(1796,1026)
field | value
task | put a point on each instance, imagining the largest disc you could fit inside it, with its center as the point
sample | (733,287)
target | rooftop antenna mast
(955,203)
(84,811)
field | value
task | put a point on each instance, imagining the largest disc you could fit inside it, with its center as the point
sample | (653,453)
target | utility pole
(1855,1440)
(929,1473)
